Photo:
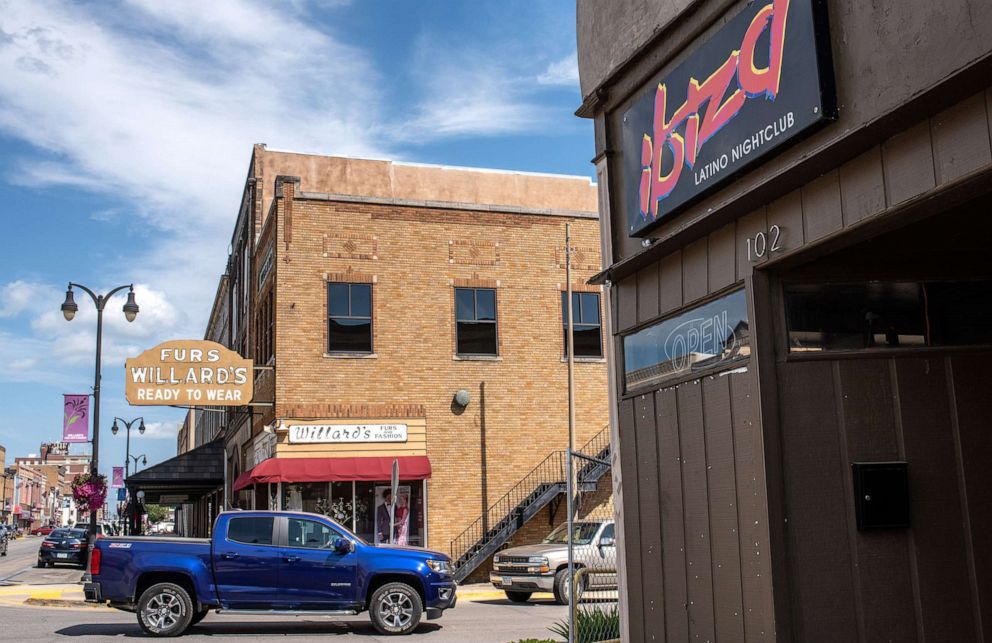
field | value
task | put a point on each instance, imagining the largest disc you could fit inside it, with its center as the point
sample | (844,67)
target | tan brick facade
(414,255)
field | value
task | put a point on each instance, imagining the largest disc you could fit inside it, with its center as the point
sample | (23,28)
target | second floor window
(475,315)
(585,324)
(349,318)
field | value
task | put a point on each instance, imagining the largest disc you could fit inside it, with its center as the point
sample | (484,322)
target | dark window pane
(337,300)
(587,342)
(476,338)
(254,531)
(350,335)
(706,336)
(485,304)
(960,313)
(590,308)
(464,304)
(854,316)
(361,300)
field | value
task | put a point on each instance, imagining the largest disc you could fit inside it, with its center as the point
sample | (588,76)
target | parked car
(101,529)
(42,531)
(66,546)
(4,539)
(265,562)
(521,571)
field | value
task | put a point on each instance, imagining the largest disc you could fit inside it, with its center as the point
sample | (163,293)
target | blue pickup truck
(265,563)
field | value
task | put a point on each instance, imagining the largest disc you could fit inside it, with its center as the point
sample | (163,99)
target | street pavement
(46,605)
(20,565)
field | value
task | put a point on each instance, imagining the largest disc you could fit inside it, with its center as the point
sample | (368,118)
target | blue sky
(126,129)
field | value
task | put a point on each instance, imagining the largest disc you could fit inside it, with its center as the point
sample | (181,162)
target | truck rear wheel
(164,610)
(395,608)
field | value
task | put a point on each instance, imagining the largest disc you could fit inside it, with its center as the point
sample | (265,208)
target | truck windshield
(582,534)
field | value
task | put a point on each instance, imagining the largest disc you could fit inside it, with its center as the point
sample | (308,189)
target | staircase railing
(505,516)
(551,471)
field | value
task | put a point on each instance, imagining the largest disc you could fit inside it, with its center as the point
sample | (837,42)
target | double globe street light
(69,309)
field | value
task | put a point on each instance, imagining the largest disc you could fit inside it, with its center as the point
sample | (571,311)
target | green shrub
(592,625)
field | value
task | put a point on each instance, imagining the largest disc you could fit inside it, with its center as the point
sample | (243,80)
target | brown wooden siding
(931,582)
(699,566)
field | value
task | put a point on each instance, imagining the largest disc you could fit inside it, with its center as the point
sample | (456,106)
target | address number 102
(764,243)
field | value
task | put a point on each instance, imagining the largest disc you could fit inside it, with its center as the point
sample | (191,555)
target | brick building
(409,312)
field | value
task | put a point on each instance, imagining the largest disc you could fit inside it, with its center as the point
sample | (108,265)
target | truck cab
(268,562)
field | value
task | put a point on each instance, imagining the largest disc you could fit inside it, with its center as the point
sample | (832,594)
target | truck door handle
(291,559)
(229,556)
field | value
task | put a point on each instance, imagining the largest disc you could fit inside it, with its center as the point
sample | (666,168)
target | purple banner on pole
(76,418)
(118,478)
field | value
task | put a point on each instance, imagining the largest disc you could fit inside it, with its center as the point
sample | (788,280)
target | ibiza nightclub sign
(764,78)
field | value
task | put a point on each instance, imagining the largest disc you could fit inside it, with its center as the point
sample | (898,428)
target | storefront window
(873,315)
(311,497)
(408,520)
(361,507)
(706,336)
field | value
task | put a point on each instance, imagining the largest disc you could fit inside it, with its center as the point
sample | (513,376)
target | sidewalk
(62,595)
(71,595)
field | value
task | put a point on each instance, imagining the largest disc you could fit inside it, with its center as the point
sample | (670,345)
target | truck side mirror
(607,542)
(344,546)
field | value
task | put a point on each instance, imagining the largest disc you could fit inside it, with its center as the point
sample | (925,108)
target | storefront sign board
(188,372)
(762,80)
(338,433)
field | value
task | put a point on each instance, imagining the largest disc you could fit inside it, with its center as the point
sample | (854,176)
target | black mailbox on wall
(881,494)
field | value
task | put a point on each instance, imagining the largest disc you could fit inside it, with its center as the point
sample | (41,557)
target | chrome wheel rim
(396,609)
(162,611)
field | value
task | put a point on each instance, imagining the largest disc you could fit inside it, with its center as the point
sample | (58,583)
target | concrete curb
(67,595)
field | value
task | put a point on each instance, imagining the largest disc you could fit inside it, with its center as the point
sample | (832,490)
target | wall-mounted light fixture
(462,398)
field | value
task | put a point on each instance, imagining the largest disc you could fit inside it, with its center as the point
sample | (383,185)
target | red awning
(242,481)
(412,467)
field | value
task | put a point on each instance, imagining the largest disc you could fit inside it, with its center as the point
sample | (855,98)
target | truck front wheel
(395,608)
(165,609)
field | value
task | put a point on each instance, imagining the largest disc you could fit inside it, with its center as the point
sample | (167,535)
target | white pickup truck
(521,571)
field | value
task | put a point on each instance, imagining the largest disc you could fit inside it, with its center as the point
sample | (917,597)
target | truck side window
(251,531)
(608,532)
(311,534)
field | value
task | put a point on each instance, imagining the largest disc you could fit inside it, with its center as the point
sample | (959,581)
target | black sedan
(63,546)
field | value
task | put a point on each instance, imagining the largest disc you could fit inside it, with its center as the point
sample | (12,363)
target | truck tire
(561,586)
(165,610)
(518,597)
(395,608)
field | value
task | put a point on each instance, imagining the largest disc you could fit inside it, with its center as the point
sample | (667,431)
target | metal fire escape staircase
(543,485)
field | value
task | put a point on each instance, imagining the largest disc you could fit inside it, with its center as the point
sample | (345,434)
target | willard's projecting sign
(759,82)
(188,372)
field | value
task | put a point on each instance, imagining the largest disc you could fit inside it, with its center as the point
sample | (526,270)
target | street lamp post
(144,460)
(127,449)
(69,308)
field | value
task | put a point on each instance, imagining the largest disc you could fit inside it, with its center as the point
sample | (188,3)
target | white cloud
(561,72)
(161,430)
(470,92)
(19,296)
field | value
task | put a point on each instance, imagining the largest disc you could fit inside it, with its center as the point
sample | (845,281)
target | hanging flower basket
(89,491)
